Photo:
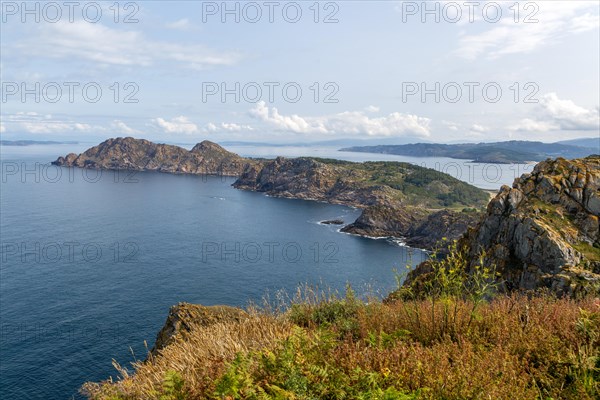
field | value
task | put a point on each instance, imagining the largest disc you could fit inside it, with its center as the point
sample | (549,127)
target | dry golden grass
(512,347)
(200,359)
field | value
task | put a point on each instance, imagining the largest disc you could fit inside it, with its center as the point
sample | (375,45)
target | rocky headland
(401,200)
(512,151)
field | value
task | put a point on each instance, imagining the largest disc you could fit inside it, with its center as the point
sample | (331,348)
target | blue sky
(350,69)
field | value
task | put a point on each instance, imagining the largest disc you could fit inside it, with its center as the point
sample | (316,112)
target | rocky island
(143,155)
(333,222)
(417,204)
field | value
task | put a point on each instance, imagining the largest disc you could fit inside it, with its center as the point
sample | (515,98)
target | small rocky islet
(332,222)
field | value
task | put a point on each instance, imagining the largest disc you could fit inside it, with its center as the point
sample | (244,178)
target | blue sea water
(91,263)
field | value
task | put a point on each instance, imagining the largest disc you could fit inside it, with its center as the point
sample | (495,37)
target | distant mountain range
(583,142)
(345,142)
(514,151)
(30,142)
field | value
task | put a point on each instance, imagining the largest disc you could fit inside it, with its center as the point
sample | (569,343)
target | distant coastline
(515,151)
(32,142)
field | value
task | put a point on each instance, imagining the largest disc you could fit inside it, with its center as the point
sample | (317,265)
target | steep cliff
(439,226)
(544,231)
(383,220)
(142,155)
(418,227)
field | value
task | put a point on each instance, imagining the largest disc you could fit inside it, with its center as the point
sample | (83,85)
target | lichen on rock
(544,232)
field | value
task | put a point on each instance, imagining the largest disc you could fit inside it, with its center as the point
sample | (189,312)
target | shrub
(173,387)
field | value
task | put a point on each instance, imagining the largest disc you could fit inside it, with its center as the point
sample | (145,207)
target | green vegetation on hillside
(417,184)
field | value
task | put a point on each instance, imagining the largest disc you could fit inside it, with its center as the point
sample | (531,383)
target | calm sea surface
(92,261)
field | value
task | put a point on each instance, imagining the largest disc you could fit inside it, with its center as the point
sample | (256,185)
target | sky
(304,71)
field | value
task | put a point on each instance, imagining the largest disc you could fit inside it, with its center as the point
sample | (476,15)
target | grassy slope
(513,347)
(416,185)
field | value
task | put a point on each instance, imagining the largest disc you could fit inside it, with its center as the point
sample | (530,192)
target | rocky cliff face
(544,231)
(310,179)
(440,225)
(418,227)
(383,220)
(143,155)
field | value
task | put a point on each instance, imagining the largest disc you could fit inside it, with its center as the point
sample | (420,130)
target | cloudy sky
(300,71)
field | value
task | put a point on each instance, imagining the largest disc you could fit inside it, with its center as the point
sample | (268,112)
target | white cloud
(583,23)
(55,127)
(182,24)
(453,126)
(556,19)
(569,115)
(554,113)
(479,128)
(227,127)
(122,127)
(36,123)
(179,124)
(348,122)
(103,45)
(372,109)
(32,122)
(28,114)
(530,125)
